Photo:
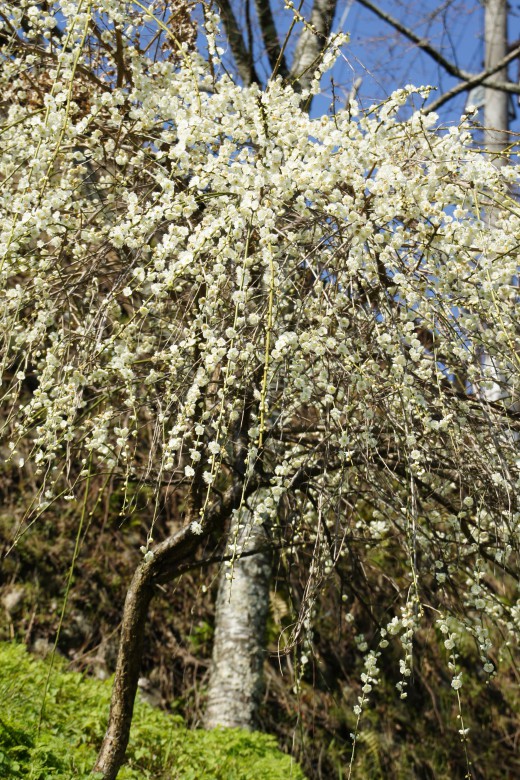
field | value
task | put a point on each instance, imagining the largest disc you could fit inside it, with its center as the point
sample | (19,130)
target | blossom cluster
(200,271)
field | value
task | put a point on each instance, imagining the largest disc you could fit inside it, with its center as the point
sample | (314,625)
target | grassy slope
(74,719)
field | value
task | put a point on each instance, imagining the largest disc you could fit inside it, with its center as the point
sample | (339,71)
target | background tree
(385,44)
(235,683)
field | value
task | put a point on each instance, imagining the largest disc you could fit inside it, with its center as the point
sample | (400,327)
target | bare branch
(479,78)
(468,80)
(270,37)
(243,57)
(421,43)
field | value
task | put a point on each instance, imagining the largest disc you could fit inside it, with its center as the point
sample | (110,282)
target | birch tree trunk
(496,119)
(496,135)
(235,686)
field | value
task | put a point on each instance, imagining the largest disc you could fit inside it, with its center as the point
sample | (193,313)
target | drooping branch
(21,46)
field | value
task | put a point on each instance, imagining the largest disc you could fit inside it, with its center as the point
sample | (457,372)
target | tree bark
(242,605)
(270,38)
(243,58)
(496,126)
(239,646)
(116,738)
(312,41)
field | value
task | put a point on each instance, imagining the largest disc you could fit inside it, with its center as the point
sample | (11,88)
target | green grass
(73,722)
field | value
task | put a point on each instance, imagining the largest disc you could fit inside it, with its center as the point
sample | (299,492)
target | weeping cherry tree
(291,312)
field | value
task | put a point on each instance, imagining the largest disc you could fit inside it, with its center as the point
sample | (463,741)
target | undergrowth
(72,718)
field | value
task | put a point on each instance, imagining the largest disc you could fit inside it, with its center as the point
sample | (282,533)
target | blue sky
(385,60)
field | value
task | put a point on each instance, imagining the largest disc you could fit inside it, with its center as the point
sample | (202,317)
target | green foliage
(201,636)
(73,719)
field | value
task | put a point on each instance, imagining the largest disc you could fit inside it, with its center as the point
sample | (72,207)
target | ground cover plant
(52,722)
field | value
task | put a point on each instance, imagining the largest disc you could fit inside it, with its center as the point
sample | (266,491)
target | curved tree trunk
(241,612)
(167,561)
(116,738)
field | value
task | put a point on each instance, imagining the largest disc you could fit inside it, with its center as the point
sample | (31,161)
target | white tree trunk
(235,687)
(496,126)
(496,119)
